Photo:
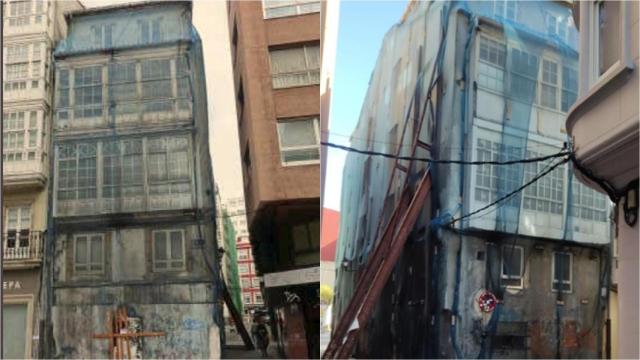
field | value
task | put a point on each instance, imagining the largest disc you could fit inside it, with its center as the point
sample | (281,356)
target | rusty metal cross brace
(119,343)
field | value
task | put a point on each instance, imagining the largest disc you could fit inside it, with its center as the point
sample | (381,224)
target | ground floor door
(14,334)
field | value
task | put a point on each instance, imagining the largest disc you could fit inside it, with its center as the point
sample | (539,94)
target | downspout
(464,98)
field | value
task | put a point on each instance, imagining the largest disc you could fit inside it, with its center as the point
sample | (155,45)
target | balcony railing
(22,245)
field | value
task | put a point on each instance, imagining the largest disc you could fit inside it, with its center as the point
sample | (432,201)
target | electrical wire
(461,162)
(512,193)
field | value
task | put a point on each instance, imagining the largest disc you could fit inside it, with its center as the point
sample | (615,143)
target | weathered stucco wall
(187,328)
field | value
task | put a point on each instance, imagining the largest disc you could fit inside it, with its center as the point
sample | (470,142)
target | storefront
(19,313)
(295,298)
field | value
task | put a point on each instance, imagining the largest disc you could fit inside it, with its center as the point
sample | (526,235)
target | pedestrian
(261,336)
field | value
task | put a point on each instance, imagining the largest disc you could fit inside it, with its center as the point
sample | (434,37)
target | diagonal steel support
(377,272)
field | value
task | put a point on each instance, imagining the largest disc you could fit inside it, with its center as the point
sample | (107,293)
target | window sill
(294,87)
(290,16)
(598,92)
(301,163)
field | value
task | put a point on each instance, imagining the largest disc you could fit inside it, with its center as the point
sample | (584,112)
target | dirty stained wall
(182,301)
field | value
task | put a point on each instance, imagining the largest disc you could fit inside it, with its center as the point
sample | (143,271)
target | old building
(276,59)
(528,277)
(608,150)
(133,194)
(30,32)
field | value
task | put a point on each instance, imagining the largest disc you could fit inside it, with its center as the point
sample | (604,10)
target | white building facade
(30,32)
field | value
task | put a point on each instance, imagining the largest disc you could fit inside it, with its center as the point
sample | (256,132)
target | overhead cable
(533,180)
(462,162)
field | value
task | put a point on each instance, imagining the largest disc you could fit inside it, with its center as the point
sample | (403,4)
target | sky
(361,29)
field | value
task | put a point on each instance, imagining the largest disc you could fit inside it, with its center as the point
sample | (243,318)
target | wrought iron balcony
(22,247)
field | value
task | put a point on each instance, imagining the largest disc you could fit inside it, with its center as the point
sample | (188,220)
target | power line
(533,180)
(461,162)
(371,141)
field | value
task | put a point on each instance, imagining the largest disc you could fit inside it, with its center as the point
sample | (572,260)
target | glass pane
(297,133)
(96,249)
(288,60)
(81,250)
(176,245)
(160,245)
(511,261)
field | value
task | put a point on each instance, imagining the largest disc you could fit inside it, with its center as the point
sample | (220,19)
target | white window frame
(89,263)
(553,273)
(487,63)
(167,232)
(504,11)
(255,282)
(316,127)
(297,4)
(592,27)
(309,71)
(557,84)
(245,283)
(506,249)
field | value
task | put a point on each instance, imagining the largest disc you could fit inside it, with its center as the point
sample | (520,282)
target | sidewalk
(239,352)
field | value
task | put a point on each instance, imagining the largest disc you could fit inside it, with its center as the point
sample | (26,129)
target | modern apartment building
(528,276)
(604,125)
(276,59)
(249,279)
(30,32)
(133,194)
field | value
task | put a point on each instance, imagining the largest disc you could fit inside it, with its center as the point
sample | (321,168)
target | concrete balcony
(26,168)
(22,249)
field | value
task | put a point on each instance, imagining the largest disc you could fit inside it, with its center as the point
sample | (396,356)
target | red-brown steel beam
(383,271)
(365,279)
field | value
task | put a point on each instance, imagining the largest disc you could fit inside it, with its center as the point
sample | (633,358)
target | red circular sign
(487,302)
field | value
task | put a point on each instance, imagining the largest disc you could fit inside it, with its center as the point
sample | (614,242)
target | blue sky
(361,29)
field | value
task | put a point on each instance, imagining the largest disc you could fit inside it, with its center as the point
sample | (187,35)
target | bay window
(524,75)
(20,137)
(87,92)
(123,87)
(168,165)
(492,63)
(157,89)
(77,171)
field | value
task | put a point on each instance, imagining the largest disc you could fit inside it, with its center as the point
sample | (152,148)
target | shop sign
(11,285)
(292,277)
